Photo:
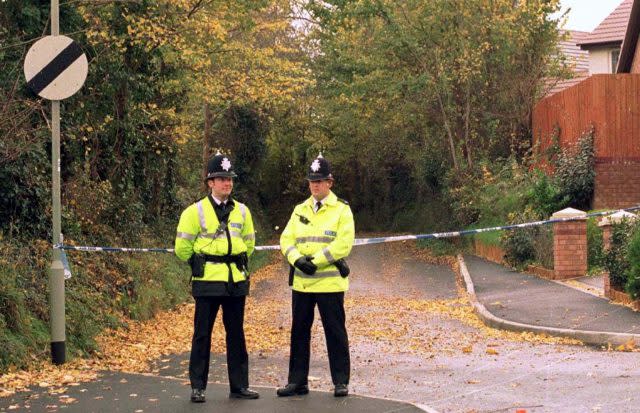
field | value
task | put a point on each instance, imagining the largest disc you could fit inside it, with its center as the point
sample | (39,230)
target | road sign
(55,67)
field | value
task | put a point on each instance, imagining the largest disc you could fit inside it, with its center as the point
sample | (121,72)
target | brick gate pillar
(570,244)
(607,222)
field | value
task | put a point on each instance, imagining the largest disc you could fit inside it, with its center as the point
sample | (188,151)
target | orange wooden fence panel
(609,103)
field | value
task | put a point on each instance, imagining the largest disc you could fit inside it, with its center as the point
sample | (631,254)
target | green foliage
(615,259)
(487,195)
(95,295)
(493,194)
(402,87)
(518,244)
(575,172)
(595,252)
(24,162)
(632,285)
(398,104)
(442,247)
(545,196)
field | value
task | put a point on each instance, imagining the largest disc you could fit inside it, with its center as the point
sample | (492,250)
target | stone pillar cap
(617,218)
(569,213)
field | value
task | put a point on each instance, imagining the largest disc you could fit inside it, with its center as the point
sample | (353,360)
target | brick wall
(617,184)
(570,249)
(489,252)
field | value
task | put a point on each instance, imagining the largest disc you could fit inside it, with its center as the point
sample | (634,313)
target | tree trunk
(467,115)
(452,145)
(206,140)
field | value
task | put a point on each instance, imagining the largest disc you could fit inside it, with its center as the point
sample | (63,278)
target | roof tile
(612,29)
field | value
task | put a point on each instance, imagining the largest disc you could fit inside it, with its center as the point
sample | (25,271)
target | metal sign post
(56,273)
(55,68)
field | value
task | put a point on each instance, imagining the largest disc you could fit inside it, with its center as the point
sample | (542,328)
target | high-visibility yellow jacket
(198,233)
(327,235)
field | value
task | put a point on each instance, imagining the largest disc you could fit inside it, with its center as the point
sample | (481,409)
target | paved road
(411,340)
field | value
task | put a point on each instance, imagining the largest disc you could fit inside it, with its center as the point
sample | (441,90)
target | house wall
(600,60)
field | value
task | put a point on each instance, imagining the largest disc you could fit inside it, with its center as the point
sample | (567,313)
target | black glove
(305,265)
(342,267)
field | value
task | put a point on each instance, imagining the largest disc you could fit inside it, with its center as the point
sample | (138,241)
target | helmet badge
(226,164)
(315,165)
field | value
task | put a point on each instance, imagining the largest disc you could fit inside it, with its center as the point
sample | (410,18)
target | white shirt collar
(218,202)
(315,203)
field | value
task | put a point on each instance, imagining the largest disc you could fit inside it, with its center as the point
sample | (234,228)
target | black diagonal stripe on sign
(55,68)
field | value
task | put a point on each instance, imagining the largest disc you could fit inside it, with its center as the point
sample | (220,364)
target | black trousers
(237,358)
(331,307)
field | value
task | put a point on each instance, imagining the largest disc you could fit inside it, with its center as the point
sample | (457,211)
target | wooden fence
(609,103)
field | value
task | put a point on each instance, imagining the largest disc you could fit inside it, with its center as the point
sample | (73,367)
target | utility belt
(198,261)
(341,265)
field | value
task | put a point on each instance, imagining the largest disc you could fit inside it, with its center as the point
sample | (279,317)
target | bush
(595,253)
(94,296)
(615,259)
(544,195)
(523,246)
(543,246)
(632,285)
(575,173)
(518,244)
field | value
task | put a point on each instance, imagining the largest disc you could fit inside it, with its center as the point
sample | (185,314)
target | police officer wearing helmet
(215,235)
(317,238)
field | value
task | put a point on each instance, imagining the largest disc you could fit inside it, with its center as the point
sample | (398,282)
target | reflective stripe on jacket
(327,236)
(198,233)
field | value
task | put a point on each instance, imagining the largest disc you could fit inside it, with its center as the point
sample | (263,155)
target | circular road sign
(55,67)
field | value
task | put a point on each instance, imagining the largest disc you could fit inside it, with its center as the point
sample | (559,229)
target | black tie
(318,206)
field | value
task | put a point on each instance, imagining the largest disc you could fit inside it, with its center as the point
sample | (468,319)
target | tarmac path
(412,337)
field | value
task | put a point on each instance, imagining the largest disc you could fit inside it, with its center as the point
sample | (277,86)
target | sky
(585,15)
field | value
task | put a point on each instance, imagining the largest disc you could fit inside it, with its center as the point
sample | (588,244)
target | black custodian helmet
(220,166)
(319,169)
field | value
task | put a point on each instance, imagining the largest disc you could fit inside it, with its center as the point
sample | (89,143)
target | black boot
(292,389)
(341,390)
(243,394)
(197,395)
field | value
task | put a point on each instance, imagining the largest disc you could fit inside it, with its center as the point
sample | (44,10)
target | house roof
(628,50)
(612,29)
(556,85)
(577,57)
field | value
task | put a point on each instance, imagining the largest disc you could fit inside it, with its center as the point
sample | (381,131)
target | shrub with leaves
(519,244)
(575,173)
(615,259)
(595,252)
(632,285)
(544,195)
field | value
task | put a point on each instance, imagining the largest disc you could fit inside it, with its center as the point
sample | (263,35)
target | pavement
(516,301)
(547,378)
(121,392)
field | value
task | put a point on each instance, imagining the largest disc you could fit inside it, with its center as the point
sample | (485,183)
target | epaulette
(343,201)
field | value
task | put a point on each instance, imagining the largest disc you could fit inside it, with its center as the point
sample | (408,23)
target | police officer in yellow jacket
(215,235)
(317,238)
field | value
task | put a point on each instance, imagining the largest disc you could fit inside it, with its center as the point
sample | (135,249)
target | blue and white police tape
(117,249)
(378,240)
